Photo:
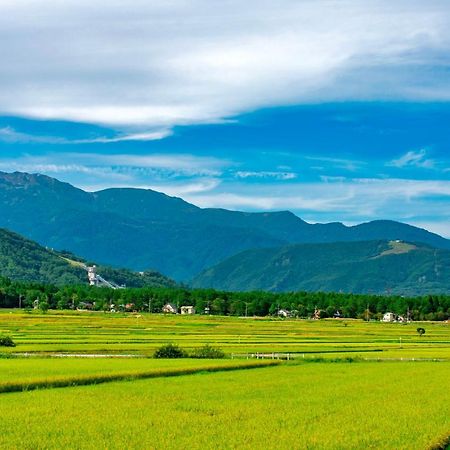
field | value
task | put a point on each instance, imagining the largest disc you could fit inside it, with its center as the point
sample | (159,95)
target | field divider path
(83,380)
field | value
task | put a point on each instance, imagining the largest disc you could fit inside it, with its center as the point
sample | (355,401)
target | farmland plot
(317,405)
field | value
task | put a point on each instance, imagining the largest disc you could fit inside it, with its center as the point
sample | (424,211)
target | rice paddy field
(80,380)
(140,334)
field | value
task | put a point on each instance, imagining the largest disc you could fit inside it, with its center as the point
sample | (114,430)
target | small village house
(388,317)
(187,310)
(169,308)
(284,313)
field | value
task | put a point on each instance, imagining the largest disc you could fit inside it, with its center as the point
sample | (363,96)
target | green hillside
(359,267)
(25,260)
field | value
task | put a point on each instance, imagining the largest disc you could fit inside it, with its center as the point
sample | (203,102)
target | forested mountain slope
(25,260)
(376,267)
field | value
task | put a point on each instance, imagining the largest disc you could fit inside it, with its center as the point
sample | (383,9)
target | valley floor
(334,393)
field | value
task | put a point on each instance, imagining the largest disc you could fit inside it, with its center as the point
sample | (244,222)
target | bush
(170,351)
(208,352)
(6,341)
(43,306)
(421,331)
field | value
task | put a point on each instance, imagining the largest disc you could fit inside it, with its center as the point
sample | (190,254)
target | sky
(335,110)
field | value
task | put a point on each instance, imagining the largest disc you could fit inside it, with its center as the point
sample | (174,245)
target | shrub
(208,352)
(6,341)
(170,351)
(43,306)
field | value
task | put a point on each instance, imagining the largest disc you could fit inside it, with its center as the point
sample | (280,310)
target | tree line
(15,294)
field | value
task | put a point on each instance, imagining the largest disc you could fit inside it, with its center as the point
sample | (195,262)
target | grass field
(23,375)
(326,405)
(142,334)
(317,400)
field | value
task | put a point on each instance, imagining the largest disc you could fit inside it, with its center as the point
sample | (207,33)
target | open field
(60,332)
(28,374)
(31,369)
(318,400)
(326,405)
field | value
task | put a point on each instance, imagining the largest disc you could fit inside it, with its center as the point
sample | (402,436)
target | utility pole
(20,301)
(367,313)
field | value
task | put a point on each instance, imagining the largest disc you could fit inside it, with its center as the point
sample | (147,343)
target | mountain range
(388,267)
(142,229)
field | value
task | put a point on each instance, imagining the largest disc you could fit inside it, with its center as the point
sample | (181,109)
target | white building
(169,308)
(187,310)
(284,313)
(388,317)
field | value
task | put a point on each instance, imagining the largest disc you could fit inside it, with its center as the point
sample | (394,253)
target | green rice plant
(51,374)
(99,333)
(324,406)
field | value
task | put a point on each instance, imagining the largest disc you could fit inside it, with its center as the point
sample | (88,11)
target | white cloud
(350,200)
(442,228)
(162,63)
(122,166)
(9,134)
(266,174)
(339,163)
(415,159)
(200,185)
(177,189)
(147,136)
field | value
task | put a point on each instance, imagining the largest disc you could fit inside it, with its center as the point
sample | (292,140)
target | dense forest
(300,304)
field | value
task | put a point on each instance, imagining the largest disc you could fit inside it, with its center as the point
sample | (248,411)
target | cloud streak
(121,167)
(266,174)
(352,200)
(413,159)
(10,135)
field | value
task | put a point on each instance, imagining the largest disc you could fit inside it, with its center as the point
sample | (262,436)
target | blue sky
(337,111)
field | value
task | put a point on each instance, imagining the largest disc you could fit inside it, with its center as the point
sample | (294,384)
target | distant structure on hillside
(92,276)
(96,280)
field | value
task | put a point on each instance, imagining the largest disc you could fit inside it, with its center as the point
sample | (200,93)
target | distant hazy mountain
(142,229)
(25,260)
(376,267)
